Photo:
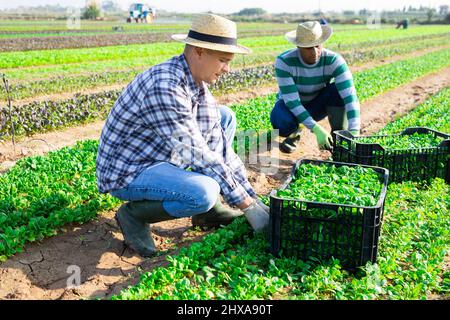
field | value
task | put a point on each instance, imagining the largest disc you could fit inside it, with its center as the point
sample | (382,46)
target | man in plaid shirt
(167,121)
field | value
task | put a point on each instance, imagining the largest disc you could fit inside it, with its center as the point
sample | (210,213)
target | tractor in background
(141,13)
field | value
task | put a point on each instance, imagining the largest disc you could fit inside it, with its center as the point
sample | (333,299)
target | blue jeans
(183,193)
(285,121)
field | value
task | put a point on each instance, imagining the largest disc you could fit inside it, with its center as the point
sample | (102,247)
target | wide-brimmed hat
(213,32)
(309,34)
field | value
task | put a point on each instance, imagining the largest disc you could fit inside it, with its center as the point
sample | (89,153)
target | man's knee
(206,192)
(228,118)
(283,119)
(334,96)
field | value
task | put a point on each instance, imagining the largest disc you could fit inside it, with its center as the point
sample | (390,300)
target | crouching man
(166,146)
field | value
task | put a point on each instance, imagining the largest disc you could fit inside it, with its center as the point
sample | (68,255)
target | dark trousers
(285,121)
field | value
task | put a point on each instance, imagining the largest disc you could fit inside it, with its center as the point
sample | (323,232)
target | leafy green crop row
(67,40)
(44,116)
(69,84)
(433,113)
(39,195)
(60,26)
(383,78)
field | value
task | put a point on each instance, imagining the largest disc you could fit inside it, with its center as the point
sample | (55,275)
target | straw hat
(213,32)
(309,34)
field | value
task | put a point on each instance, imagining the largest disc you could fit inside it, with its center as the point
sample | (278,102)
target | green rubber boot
(290,144)
(216,216)
(134,220)
(337,118)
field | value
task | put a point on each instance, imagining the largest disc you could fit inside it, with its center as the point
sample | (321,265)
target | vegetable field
(61,80)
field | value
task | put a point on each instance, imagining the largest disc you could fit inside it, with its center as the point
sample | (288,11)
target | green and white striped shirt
(300,82)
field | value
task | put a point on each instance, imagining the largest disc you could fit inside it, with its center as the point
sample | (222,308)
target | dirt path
(42,271)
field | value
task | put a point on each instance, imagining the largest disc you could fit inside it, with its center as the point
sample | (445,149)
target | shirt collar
(307,65)
(195,89)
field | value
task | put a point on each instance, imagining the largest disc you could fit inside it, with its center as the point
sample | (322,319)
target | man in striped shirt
(165,122)
(313,83)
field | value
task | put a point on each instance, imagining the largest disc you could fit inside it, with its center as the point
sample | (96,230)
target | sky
(230,6)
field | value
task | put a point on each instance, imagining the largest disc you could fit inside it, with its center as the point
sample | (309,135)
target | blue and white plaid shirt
(162,115)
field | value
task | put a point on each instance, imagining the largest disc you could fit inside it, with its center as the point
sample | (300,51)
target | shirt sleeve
(167,109)
(289,94)
(346,88)
(218,143)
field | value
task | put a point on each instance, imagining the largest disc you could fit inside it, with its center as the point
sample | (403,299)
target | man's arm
(289,94)
(344,83)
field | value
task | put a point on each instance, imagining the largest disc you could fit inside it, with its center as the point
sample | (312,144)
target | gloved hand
(324,139)
(262,205)
(257,216)
(354,132)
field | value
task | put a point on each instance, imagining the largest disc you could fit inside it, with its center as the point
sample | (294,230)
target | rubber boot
(290,144)
(337,119)
(134,220)
(217,216)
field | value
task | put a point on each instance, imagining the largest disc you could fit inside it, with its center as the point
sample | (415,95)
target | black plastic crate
(346,232)
(403,165)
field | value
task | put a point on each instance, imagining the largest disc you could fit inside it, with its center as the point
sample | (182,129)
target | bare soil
(42,271)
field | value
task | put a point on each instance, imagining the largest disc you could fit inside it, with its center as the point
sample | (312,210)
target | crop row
(46,26)
(230,82)
(78,76)
(89,40)
(243,28)
(410,265)
(433,113)
(39,195)
(42,116)
(66,56)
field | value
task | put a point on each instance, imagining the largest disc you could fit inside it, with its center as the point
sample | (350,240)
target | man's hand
(262,205)
(246,203)
(324,139)
(257,216)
